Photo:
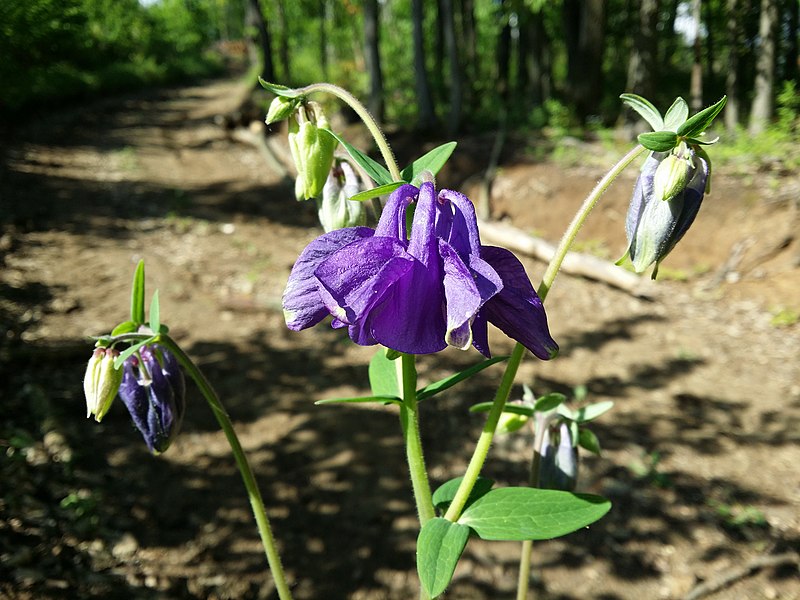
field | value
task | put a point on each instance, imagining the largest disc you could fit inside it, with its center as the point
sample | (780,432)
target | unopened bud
(510,422)
(671,177)
(558,469)
(101,382)
(335,210)
(281,108)
(312,151)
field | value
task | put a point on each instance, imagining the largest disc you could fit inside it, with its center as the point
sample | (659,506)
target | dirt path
(701,450)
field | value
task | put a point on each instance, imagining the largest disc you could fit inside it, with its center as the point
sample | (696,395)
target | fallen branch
(575,263)
(734,575)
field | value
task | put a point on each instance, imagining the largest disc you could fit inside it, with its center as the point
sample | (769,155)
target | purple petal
(642,192)
(462,297)
(517,309)
(302,304)
(393,218)
(459,225)
(480,335)
(693,198)
(422,243)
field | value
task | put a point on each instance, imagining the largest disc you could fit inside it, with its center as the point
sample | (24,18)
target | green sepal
(155,313)
(137,295)
(131,350)
(586,413)
(588,441)
(645,109)
(393,354)
(522,513)
(676,114)
(439,386)
(698,142)
(432,161)
(445,493)
(698,123)
(439,546)
(124,327)
(375,170)
(515,409)
(549,402)
(659,141)
(383,376)
(376,192)
(280,90)
(361,400)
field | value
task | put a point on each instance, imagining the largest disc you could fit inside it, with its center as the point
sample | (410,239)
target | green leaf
(591,411)
(521,513)
(676,114)
(375,170)
(280,90)
(439,546)
(659,141)
(130,350)
(137,295)
(155,313)
(383,376)
(375,192)
(516,409)
(698,142)
(588,440)
(445,493)
(439,386)
(393,354)
(549,402)
(124,327)
(698,123)
(433,161)
(361,400)
(645,109)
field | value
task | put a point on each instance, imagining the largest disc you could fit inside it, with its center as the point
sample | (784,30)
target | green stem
(410,421)
(366,117)
(256,501)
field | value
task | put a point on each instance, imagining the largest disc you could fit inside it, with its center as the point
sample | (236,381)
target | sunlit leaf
(124,327)
(516,409)
(137,295)
(439,546)
(375,170)
(375,192)
(445,493)
(698,123)
(433,161)
(280,90)
(645,109)
(130,351)
(549,402)
(155,313)
(659,141)
(676,114)
(361,400)
(448,382)
(588,440)
(383,376)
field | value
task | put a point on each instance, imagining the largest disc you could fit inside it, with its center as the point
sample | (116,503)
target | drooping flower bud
(281,108)
(653,226)
(335,210)
(101,382)
(154,391)
(558,469)
(672,175)
(312,151)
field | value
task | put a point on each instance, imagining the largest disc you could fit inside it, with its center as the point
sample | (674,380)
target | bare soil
(700,453)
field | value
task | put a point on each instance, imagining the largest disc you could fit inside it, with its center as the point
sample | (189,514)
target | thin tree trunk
(454,118)
(642,64)
(761,111)
(792,56)
(696,85)
(372,58)
(503,55)
(255,18)
(584,32)
(732,76)
(427,116)
(708,17)
(283,48)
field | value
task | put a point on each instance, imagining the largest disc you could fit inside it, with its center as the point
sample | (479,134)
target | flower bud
(312,151)
(281,108)
(558,469)
(672,175)
(335,210)
(101,382)
(154,391)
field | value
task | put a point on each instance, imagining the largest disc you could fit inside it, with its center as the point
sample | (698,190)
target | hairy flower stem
(363,113)
(256,501)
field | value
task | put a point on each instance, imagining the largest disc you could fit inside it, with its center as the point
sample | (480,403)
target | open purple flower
(418,295)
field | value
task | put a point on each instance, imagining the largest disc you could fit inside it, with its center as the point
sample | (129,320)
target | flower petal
(462,297)
(642,192)
(393,218)
(457,224)
(422,242)
(302,304)
(480,335)
(517,309)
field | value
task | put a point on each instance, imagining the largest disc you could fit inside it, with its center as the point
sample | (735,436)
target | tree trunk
(761,111)
(642,64)
(708,17)
(255,19)
(427,116)
(732,77)
(584,33)
(503,55)
(372,58)
(696,85)
(670,42)
(470,53)
(283,48)
(791,55)
(454,119)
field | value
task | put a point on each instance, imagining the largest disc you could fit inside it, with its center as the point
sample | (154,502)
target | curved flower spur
(421,293)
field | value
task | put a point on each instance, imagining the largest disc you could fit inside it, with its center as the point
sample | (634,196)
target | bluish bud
(312,151)
(558,468)
(101,382)
(335,210)
(154,391)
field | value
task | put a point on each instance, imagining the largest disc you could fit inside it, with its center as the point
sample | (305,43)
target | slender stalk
(410,420)
(366,117)
(256,501)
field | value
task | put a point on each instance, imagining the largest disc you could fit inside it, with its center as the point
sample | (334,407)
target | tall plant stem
(365,116)
(256,501)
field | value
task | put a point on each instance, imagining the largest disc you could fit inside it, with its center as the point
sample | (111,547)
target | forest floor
(701,451)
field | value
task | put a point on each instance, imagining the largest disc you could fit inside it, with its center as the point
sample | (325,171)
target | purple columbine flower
(655,224)
(154,391)
(418,295)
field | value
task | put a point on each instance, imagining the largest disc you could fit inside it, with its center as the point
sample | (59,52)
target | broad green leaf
(361,400)
(698,123)
(588,440)
(521,513)
(445,493)
(645,109)
(549,402)
(383,376)
(155,313)
(659,141)
(280,90)
(433,161)
(137,295)
(676,114)
(516,409)
(375,192)
(592,411)
(439,546)
(124,327)
(130,350)
(375,170)
(439,386)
